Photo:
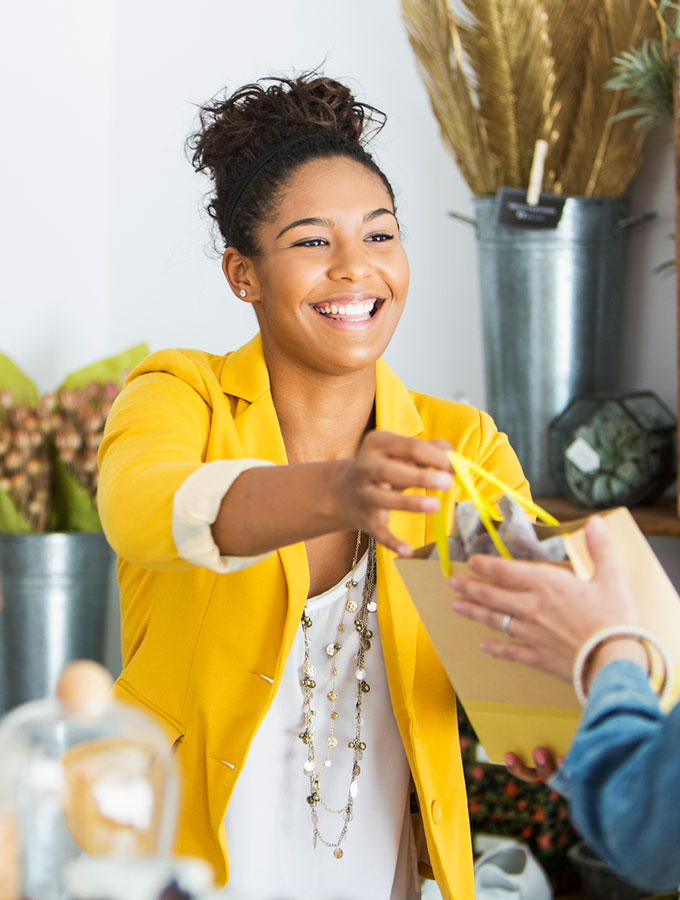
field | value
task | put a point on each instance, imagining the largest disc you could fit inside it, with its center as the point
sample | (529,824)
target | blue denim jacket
(622,778)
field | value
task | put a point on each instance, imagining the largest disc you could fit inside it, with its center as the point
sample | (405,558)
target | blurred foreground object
(81,774)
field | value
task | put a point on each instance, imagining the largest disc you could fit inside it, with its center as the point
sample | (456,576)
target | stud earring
(242,293)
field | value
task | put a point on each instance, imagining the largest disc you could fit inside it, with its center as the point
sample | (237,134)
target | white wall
(103,244)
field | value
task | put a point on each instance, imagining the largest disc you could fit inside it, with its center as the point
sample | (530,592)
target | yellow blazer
(204,652)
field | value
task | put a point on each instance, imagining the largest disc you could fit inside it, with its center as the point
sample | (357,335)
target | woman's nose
(349,262)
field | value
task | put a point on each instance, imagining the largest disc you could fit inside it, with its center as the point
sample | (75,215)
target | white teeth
(354,310)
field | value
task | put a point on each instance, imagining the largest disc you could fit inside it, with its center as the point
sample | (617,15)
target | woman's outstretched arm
(270,507)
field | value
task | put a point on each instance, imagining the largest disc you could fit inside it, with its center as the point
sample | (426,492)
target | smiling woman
(328,291)
(256,501)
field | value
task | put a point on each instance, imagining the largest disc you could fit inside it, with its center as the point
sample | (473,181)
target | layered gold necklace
(307,682)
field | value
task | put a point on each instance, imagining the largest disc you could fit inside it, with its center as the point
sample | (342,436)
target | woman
(256,501)
(621,775)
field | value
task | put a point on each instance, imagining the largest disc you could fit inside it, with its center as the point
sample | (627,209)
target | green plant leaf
(75,509)
(11,520)
(665,269)
(115,368)
(23,390)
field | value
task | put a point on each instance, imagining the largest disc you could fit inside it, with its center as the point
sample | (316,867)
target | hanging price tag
(512,209)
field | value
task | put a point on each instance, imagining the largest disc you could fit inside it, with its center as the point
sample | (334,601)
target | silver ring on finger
(505,624)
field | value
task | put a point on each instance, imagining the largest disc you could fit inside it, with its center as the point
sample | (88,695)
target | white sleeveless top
(268,824)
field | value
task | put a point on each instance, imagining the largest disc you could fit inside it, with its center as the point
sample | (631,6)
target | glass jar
(83,774)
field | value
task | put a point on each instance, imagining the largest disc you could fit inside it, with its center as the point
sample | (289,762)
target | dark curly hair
(312,116)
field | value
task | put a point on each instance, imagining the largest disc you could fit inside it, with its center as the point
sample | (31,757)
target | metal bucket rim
(53,536)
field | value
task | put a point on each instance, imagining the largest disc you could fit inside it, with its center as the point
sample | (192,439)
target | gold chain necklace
(356,745)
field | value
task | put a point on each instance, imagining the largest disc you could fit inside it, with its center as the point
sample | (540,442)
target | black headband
(248,174)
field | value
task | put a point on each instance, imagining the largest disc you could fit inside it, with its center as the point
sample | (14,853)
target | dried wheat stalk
(502,73)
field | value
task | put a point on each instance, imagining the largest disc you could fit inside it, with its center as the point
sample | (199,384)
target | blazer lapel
(396,411)
(246,377)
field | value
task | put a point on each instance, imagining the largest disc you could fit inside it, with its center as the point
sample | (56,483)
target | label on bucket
(512,209)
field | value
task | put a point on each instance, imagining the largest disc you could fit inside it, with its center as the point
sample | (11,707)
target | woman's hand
(544,766)
(268,507)
(386,465)
(552,612)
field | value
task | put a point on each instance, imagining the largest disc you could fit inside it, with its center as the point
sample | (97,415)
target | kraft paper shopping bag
(513,707)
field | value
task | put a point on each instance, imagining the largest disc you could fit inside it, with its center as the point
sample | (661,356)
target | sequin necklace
(307,682)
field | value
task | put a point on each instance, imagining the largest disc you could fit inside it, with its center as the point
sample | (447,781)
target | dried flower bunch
(502,74)
(79,418)
(25,468)
(66,427)
(48,445)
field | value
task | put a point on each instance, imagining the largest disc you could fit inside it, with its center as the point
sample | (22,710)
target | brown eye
(379,238)
(311,242)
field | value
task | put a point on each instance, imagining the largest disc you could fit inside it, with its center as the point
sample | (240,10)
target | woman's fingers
(599,545)
(487,616)
(485,596)
(544,766)
(381,448)
(511,573)
(404,463)
(513,651)
(401,475)
(552,660)
(530,644)
(544,763)
(392,472)
(384,498)
(516,767)
(377,525)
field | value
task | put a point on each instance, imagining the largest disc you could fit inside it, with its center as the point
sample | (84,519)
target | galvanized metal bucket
(551,311)
(55,591)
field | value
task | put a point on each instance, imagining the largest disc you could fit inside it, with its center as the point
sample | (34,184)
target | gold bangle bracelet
(616,632)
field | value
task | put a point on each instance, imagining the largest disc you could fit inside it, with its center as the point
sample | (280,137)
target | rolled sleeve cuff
(195,507)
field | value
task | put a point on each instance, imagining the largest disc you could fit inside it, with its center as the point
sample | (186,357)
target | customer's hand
(544,766)
(551,612)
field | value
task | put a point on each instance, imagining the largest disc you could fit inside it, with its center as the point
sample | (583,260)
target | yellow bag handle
(463,470)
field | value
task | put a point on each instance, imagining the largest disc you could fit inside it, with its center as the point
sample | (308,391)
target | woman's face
(331,278)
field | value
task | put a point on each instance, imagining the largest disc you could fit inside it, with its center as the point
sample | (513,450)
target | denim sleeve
(622,778)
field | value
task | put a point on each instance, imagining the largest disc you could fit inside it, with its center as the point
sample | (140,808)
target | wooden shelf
(660,520)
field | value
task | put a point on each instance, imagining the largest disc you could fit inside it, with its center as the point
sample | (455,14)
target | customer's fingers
(516,767)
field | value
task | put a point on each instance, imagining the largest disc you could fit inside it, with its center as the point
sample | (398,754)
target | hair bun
(239,129)
(333,106)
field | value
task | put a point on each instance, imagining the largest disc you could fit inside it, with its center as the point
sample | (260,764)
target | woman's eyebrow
(312,220)
(377,213)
